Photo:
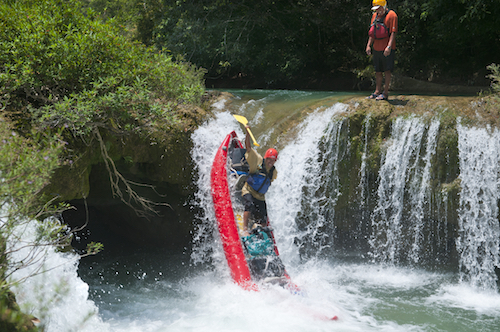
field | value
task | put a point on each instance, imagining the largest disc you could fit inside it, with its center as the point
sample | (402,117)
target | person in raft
(262,172)
(382,35)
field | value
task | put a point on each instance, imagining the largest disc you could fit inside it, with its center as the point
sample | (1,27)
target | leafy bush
(64,68)
(26,166)
(136,17)
(495,78)
(273,41)
(63,73)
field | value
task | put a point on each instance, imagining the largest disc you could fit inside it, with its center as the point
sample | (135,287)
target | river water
(192,290)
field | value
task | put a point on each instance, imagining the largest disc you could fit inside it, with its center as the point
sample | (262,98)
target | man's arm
(390,45)
(248,145)
(253,158)
(369,46)
(392,24)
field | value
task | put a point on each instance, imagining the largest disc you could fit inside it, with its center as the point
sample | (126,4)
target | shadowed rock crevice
(109,221)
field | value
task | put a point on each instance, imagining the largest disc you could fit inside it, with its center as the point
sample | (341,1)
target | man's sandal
(381,97)
(372,96)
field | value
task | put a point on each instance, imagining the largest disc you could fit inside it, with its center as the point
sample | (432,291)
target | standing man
(382,35)
(260,176)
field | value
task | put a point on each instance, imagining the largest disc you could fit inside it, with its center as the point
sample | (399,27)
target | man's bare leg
(378,82)
(387,82)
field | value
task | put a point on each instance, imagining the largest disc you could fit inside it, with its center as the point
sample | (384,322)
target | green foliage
(94,247)
(286,41)
(495,78)
(12,319)
(454,39)
(124,12)
(26,165)
(65,68)
(93,108)
(281,42)
(63,73)
(137,17)
(278,41)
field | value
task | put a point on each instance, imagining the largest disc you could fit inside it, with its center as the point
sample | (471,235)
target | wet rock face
(393,173)
(107,195)
(105,218)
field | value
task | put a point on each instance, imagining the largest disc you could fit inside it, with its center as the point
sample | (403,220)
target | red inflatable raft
(224,214)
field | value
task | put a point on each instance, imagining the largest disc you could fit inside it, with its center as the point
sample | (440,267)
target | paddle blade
(241,119)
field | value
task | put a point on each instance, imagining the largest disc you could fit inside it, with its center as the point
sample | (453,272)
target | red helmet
(271,153)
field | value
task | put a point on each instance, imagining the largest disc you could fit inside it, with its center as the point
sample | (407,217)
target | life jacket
(378,30)
(261,180)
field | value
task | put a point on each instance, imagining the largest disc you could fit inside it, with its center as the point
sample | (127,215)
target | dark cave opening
(103,217)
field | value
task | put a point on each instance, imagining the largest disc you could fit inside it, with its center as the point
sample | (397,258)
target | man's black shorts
(383,63)
(257,208)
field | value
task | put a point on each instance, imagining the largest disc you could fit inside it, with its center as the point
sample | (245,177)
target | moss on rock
(11,317)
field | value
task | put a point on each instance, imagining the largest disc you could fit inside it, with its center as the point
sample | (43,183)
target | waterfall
(321,191)
(479,232)
(49,286)
(406,224)
(363,189)
(403,191)
(363,176)
(420,193)
(300,191)
(352,205)
(206,141)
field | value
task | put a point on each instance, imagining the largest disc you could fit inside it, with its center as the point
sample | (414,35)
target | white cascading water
(403,206)
(363,190)
(286,194)
(397,168)
(207,140)
(420,193)
(479,232)
(52,291)
(301,175)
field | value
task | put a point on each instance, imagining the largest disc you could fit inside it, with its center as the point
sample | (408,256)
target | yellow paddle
(244,121)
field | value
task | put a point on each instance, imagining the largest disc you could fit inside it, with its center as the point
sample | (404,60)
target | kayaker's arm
(248,145)
(253,158)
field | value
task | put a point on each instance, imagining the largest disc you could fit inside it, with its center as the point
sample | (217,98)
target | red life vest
(378,30)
